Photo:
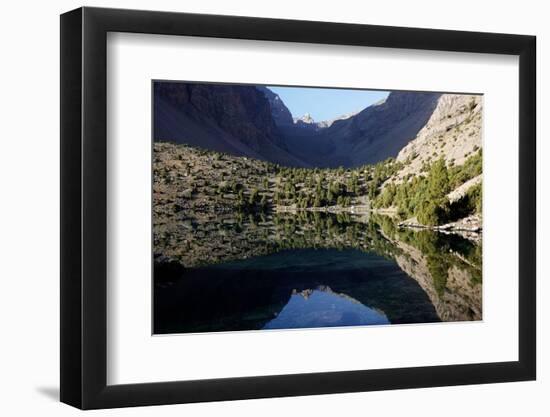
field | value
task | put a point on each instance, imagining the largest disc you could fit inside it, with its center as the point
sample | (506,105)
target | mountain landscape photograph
(283,207)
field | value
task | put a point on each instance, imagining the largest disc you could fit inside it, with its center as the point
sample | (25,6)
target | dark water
(291,289)
(311,275)
(312,271)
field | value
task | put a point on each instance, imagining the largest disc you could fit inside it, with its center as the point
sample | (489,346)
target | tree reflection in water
(239,272)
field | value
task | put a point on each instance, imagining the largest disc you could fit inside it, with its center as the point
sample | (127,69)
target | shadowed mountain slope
(253,121)
(235,119)
(378,132)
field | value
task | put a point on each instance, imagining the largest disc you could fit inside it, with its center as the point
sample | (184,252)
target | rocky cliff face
(279,111)
(453,132)
(236,119)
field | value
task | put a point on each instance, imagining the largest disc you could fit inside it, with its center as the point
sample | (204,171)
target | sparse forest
(205,180)
(425,196)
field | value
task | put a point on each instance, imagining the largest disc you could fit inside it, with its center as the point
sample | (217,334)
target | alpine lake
(310,270)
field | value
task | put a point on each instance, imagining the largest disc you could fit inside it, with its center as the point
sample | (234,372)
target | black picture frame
(84,207)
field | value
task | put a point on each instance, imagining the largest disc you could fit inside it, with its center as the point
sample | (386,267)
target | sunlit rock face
(453,132)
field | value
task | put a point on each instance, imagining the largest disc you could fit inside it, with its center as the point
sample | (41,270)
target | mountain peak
(306,118)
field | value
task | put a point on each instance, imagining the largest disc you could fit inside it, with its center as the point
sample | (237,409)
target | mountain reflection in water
(310,270)
(318,308)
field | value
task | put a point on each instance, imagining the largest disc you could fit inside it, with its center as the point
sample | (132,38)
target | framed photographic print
(257,208)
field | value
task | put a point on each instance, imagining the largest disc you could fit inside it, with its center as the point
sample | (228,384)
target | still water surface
(337,273)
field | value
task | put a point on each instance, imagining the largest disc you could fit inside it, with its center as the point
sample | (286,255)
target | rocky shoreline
(469,227)
(325,209)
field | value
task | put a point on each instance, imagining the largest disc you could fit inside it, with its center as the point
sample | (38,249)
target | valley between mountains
(432,178)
